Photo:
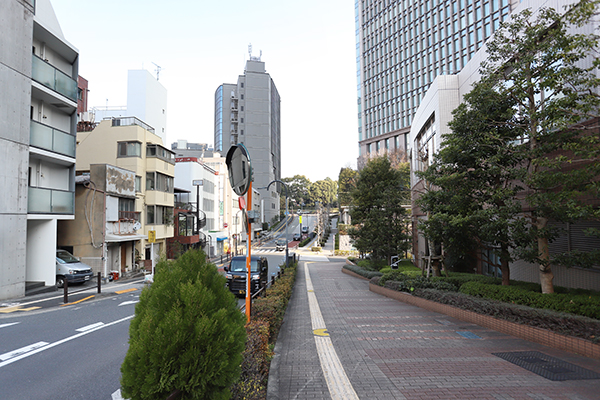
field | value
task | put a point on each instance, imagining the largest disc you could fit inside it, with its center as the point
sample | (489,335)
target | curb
(530,333)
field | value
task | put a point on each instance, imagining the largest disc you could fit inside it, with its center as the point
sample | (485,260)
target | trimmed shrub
(252,384)
(362,272)
(583,305)
(187,335)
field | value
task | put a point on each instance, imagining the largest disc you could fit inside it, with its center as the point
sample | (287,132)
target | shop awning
(111,238)
(221,238)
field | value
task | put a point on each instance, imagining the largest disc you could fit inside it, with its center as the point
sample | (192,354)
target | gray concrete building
(249,113)
(38,118)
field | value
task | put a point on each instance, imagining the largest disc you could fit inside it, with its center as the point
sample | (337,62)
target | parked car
(297,237)
(305,230)
(280,244)
(69,268)
(236,274)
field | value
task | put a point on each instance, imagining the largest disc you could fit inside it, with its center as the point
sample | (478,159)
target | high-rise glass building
(401,46)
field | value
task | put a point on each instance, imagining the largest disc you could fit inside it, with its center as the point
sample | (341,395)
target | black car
(236,274)
(297,237)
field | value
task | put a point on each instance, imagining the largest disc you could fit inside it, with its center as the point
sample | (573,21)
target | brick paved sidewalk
(391,350)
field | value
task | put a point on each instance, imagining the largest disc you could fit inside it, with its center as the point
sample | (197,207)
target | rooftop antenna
(250,54)
(158,68)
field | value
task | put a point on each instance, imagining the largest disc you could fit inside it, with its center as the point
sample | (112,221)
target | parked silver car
(70,268)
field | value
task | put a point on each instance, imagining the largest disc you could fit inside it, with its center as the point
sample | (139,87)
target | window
(150,215)
(160,182)
(153,150)
(150,181)
(129,149)
(138,184)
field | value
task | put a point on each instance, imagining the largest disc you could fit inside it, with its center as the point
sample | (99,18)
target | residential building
(430,124)
(146,100)
(131,144)
(104,233)
(38,116)
(199,191)
(248,113)
(401,47)
(189,221)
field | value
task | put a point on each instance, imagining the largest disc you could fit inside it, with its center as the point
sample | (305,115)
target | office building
(38,118)
(248,113)
(401,47)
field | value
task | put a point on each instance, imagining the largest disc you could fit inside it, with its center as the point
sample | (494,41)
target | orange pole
(248,251)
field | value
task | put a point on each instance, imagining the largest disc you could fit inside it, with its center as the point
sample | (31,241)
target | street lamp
(286,217)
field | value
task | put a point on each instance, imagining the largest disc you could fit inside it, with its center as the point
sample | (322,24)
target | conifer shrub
(187,335)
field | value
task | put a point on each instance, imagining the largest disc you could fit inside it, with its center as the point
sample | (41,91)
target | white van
(70,268)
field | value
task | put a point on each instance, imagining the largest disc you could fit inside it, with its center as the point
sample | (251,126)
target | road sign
(242,203)
(198,182)
(240,169)
(151,236)
(300,218)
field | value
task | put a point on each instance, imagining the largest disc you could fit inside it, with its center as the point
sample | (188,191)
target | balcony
(48,138)
(50,201)
(45,74)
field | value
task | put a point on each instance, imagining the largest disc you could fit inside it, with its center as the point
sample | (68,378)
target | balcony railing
(53,78)
(127,121)
(48,138)
(129,215)
(50,201)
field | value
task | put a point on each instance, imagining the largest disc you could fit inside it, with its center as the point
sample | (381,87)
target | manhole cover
(547,367)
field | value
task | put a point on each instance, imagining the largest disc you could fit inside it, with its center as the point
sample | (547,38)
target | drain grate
(548,367)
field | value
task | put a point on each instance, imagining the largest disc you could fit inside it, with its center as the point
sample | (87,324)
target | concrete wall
(16,33)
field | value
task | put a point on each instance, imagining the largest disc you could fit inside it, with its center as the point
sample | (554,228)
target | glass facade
(403,45)
(219,119)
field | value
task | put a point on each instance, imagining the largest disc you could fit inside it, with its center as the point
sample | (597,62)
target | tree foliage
(323,191)
(187,335)
(471,197)
(381,222)
(346,184)
(547,72)
(298,186)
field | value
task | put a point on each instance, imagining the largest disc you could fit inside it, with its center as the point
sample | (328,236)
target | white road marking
(117,395)
(337,381)
(49,346)
(7,325)
(92,326)
(22,350)
(125,303)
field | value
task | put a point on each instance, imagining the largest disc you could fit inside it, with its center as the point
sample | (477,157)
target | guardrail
(66,292)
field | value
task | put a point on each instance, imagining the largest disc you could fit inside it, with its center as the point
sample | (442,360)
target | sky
(308,48)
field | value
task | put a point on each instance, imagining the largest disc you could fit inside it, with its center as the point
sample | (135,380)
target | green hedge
(362,271)
(587,306)
(398,280)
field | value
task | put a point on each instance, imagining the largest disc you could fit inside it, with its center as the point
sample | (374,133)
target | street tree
(548,68)
(379,218)
(324,191)
(472,183)
(187,336)
(346,184)
(298,186)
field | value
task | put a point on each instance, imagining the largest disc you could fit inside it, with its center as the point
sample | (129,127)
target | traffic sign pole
(248,255)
